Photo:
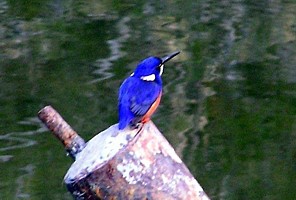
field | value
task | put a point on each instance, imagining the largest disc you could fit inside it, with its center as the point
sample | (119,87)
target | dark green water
(229,98)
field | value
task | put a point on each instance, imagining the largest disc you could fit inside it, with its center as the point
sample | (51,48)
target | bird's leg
(134,125)
(138,122)
(139,125)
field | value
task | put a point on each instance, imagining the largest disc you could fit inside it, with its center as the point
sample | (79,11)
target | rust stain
(110,171)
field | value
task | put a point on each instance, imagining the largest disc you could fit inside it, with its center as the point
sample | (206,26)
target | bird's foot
(138,125)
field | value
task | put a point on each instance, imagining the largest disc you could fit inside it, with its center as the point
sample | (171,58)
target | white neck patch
(150,77)
(161,69)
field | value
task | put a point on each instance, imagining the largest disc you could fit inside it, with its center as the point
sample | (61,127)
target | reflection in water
(21,140)
(28,172)
(18,139)
(104,65)
(251,117)
(5,158)
(229,99)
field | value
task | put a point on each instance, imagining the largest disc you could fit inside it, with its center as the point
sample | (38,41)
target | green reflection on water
(229,99)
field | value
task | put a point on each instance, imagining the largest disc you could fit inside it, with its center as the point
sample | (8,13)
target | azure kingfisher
(139,94)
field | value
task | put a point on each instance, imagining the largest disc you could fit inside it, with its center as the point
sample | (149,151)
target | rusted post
(72,142)
(131,164)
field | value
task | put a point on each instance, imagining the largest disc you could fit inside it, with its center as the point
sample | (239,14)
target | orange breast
(151,110)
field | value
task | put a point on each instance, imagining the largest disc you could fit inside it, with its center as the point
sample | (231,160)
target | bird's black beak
(170,56)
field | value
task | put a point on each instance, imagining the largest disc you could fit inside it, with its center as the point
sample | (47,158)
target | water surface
(229,97)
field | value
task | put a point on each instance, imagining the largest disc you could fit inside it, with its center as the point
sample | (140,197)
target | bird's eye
(160,69)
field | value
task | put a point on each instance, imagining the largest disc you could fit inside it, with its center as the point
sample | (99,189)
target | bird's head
(151,68)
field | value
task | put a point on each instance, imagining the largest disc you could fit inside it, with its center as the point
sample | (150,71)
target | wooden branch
(72,142)
(128,164)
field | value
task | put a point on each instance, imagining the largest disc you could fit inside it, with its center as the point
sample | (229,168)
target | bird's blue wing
(135,99)
(125,114)
(146,94)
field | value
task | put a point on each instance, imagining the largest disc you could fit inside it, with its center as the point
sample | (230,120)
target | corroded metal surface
(61,129)
(147,167)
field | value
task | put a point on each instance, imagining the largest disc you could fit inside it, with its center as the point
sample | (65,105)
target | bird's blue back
(136,95)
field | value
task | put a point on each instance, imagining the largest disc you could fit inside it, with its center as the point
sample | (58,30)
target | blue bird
(140,94)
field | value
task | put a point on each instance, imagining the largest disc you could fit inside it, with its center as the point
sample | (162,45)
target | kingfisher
(140,93)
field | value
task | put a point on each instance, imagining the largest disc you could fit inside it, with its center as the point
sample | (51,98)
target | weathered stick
(72,142)
(130,164)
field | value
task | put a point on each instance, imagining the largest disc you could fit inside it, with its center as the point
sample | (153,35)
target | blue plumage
(140,91)
(135,98)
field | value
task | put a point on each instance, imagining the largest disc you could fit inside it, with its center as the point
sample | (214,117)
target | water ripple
(20,137)
(20,182)
(104,65)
